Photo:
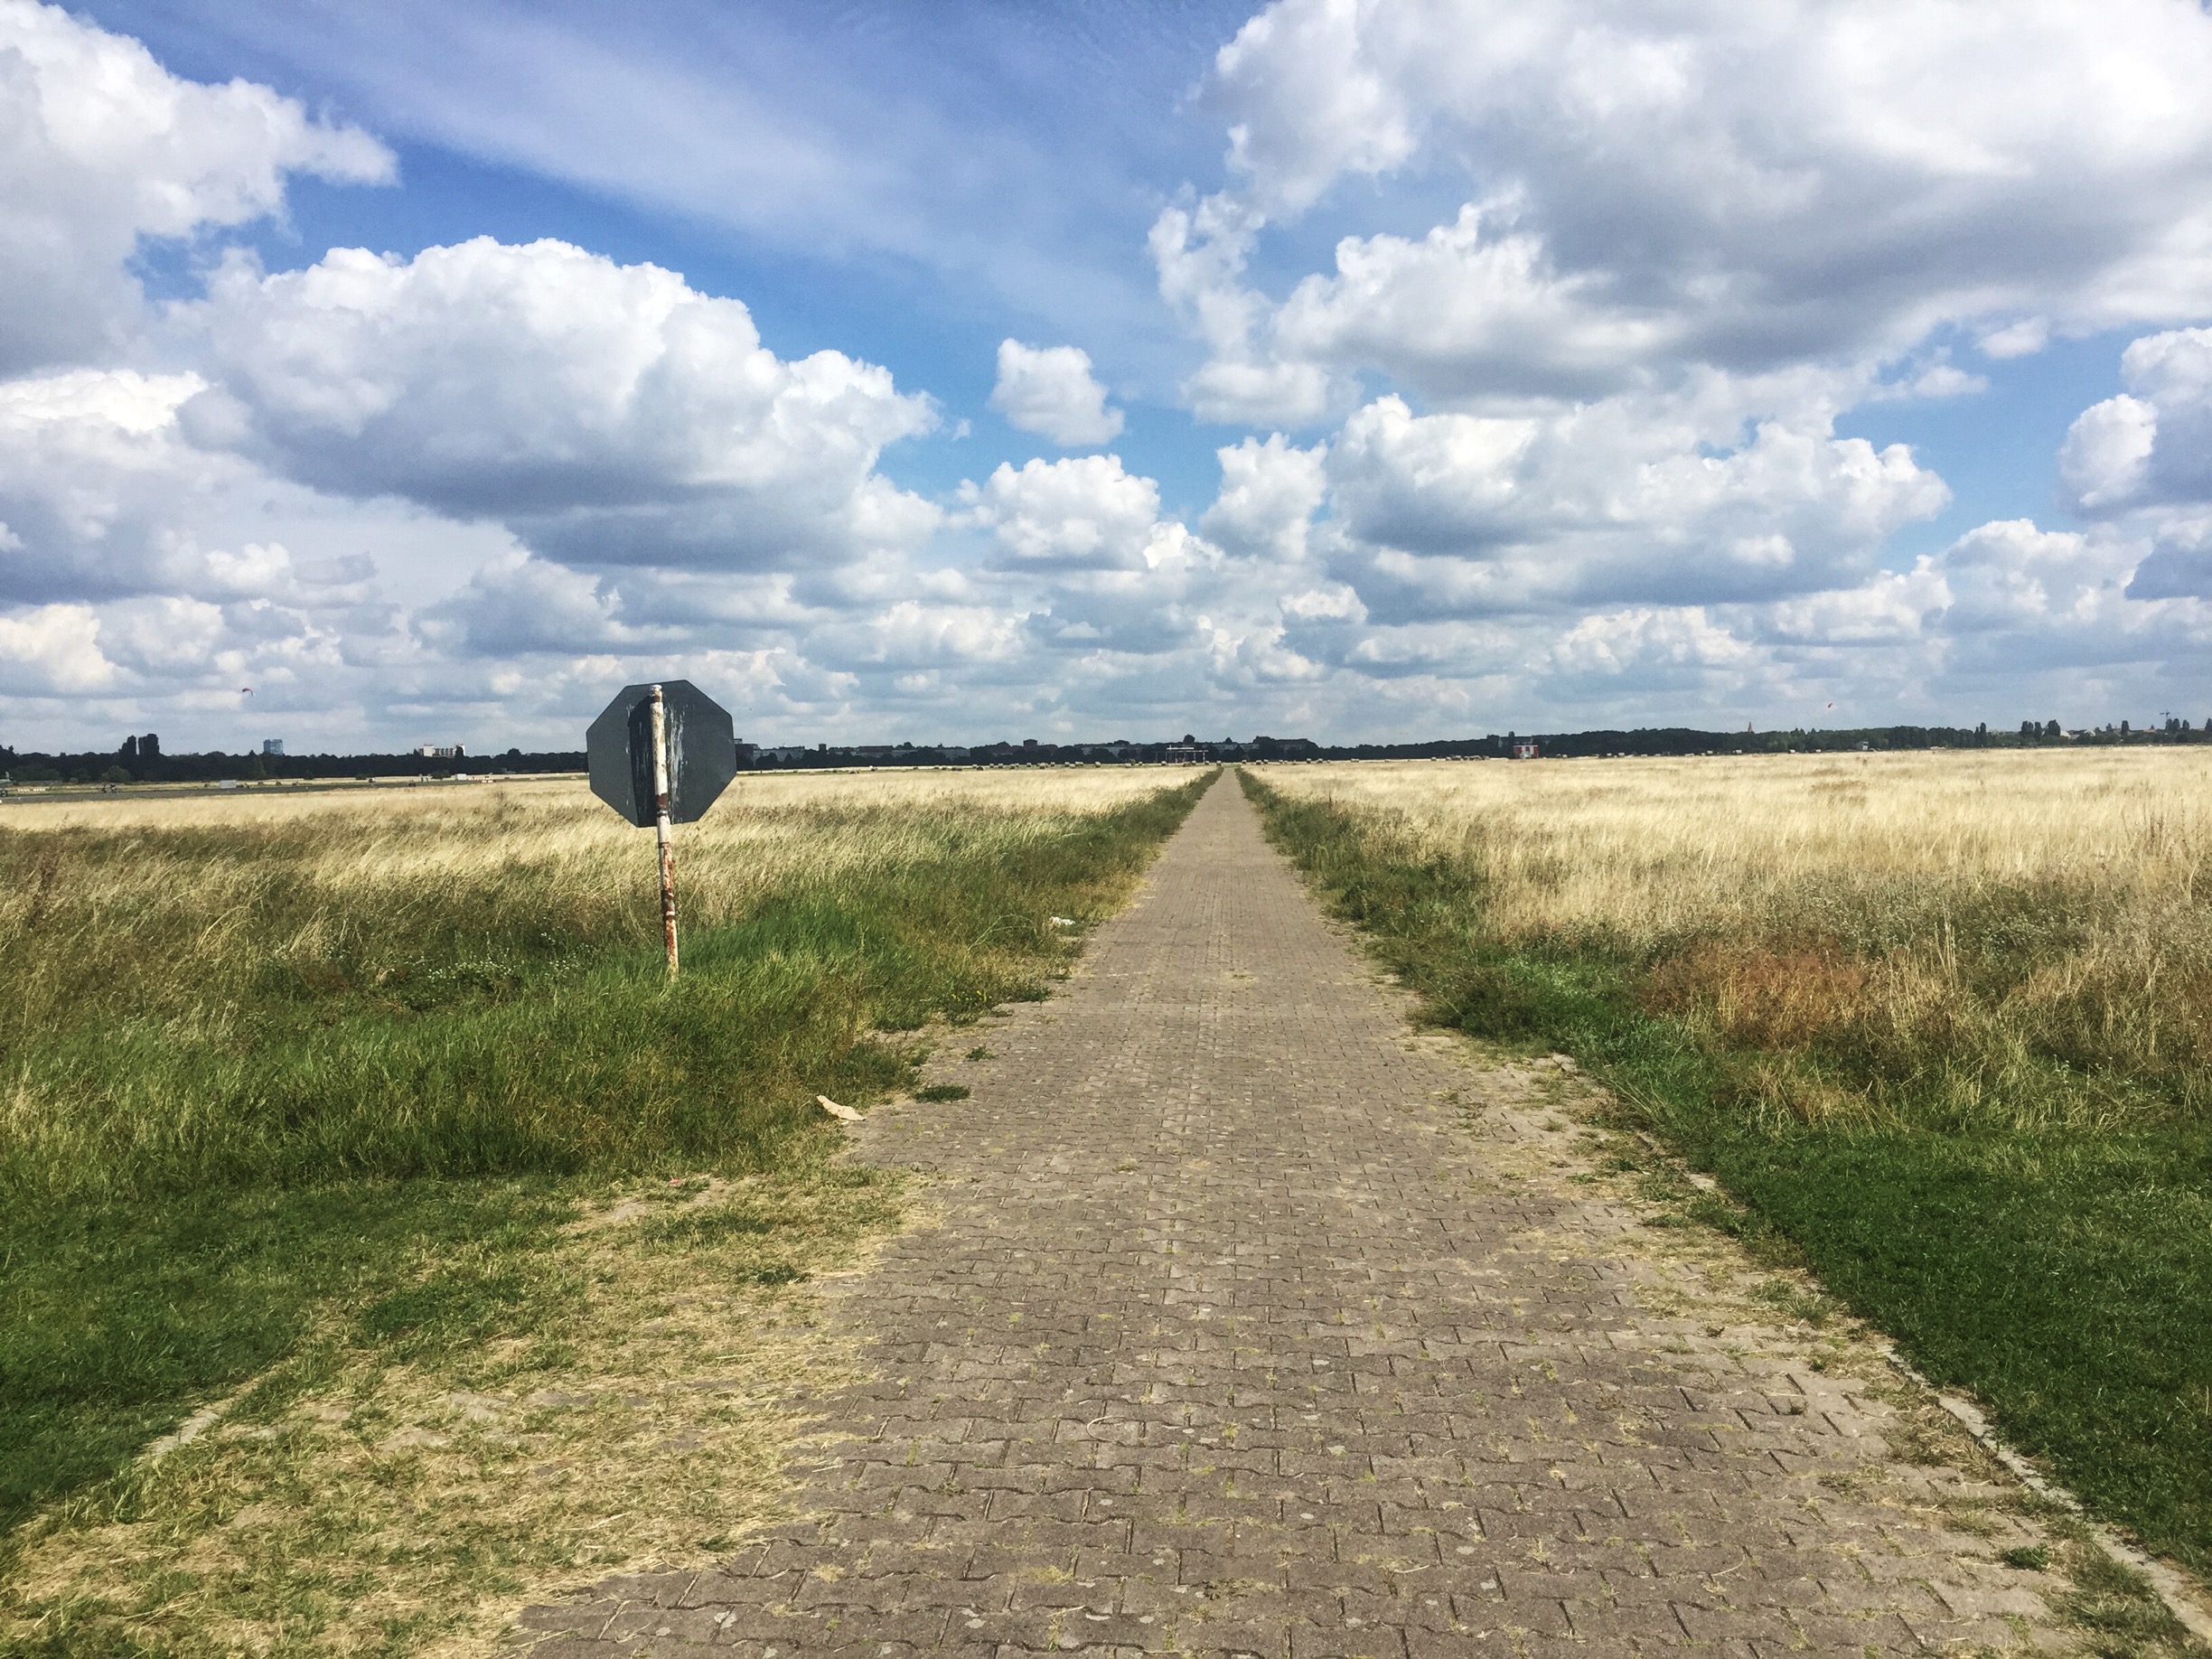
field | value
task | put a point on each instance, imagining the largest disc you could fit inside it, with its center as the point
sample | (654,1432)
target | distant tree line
(1683,740)
(136,763)
(140,759)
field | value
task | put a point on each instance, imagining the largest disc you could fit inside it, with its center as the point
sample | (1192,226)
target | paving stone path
(1253,1322)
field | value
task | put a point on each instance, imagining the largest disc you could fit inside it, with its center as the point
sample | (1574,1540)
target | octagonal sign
(702,752)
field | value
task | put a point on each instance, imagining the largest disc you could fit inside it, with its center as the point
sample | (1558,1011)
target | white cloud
(1650,648)
(95,484)
(51,650)
(2150,449)
(1201,253)
(519,605)
(100,146)
(1049,390)
(1708,182)
(608,414)
(168,637)
(1592,287)
(2024,338)
(1344,114)
(2107,451)
(1629,499)
(1891,607)
(1082,512)
(1460,313)
(1270,494)
(2179,565)
(1936,380)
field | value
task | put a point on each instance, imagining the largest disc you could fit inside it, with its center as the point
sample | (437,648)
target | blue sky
(1356,368)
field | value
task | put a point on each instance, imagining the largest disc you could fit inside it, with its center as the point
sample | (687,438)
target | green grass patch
(2053,1259)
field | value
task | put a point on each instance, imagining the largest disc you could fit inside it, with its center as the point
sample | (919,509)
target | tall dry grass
(2031,932)
(453,976)
(185,904)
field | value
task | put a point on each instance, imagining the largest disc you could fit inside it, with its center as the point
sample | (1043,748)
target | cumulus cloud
(1707,182)
(1545,433)
(1467,311)
(1082,552)
(1201,253)
(1084,511)
(2179,565)
(519,605)
(2151,446)
(1049,390)
(609,414)
(1604,456)
(1269,493)
(2106,455)
(51,650)
(96,483)
(1463,514)
(1654,648)
(101,146)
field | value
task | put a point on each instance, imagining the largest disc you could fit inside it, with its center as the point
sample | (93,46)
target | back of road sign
(702,752)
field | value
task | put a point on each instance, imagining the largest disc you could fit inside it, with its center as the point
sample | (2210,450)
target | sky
(1358,369)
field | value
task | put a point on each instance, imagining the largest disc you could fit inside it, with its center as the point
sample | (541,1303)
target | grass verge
(518,1409)
(2059,1267)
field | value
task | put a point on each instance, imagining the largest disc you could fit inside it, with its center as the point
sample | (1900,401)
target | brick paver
(1253,1324)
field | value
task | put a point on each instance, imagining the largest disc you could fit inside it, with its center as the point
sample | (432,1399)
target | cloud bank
(1537,349)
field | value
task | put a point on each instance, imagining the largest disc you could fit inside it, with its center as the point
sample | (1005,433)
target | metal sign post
(660,755)
(660,824)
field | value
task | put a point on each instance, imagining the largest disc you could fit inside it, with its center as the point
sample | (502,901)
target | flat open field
(1019,789)
(1941,1024)
(338,1110)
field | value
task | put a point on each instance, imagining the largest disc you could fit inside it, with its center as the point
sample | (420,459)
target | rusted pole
(660,825)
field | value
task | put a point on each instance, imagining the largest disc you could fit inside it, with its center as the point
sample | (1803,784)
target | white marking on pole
(660,825)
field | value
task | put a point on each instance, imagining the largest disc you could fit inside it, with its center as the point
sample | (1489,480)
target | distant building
(1524,750)
(1188,755)
(272,745)
(435,751)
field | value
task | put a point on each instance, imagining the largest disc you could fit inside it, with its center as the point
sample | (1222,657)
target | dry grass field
(2001,908)
(370,1117)
(1941,1023)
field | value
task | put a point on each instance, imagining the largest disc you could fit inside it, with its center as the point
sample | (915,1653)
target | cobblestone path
(1253,1322)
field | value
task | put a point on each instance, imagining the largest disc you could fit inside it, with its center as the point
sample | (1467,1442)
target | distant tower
(272,745)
